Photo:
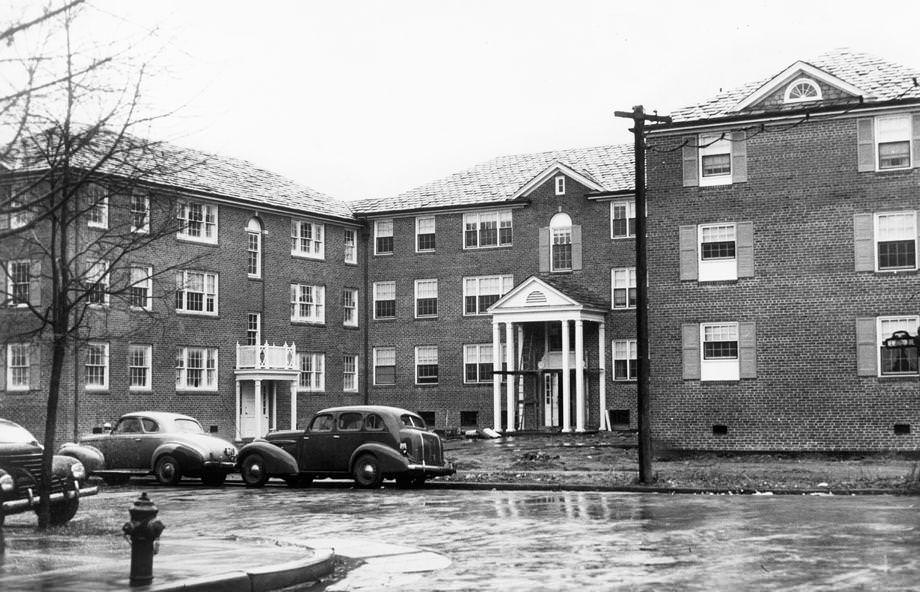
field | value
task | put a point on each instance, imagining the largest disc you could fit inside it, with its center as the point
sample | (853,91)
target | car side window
(350,422)
(150,425)
(373,423)
(322,423)
(128,425)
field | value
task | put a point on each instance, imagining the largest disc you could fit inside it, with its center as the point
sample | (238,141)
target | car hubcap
(168,471)
(368,472)
(255,471)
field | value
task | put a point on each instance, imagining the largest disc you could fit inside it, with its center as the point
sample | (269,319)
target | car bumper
(219,465)
(32,499)
(431,470)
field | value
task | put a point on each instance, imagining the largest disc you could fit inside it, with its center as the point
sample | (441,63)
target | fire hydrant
(143,532)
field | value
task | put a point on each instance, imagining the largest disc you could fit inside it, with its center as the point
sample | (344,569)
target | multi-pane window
(17,367)
(96,368)
(312,371)
(97,283)
(624,359)
(720,341)
(384,365)
(715,159)
(20,212)
(477,363)
(18,278)
(139,367)
(562,249)
(426,298)
(307,239)
(384,300)
(622,219)
(487,229)
(479,293)
(383,237)
(141,288)
(426,364)
(253,328)
(717,241)
(896,240)
(254,248)
(351,246)
(350,307)
(424,233)
(199,222)
(196,292)
(623,287)
(896,360)
(140,212)
(892,139)
(560,185)
(97,204)
(308,303)
(349,373)
(196,369)
(802,90)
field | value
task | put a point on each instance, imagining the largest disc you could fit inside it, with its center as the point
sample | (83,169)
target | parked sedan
(169,445)
(368,443)
(21,470)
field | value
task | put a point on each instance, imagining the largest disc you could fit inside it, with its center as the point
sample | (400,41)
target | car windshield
(413,421)
(188,426)
(14,434)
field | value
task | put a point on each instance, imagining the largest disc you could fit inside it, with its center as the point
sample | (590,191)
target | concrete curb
(260,579)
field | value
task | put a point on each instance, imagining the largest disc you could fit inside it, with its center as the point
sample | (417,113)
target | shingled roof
(880,79)
(499,179)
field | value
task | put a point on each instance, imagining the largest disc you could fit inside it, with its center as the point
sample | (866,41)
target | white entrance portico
(545,326)
(261,371)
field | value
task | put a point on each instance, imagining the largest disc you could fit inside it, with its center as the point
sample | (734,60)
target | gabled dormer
(558,173)
(800,85)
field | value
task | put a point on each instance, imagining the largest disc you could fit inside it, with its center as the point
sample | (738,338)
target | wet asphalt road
(575,540)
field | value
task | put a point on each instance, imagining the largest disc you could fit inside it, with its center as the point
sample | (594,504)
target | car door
(316,451)
(153,435)
(121,446)
(347,437)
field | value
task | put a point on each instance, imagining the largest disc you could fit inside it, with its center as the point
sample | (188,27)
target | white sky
(367,99)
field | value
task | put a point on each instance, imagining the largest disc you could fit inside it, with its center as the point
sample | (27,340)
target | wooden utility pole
(639,118)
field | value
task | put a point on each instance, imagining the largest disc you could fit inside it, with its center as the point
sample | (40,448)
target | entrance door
(551,399)
(248,409)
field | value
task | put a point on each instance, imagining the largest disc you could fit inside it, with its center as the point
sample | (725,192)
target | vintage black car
(369,443)
(20,475)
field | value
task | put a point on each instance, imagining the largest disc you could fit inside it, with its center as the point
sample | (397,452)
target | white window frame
(788,98)
(350,373)
(717,269)
(145,228)
(21,196)
(312,246)
(422,223)
(253,248)
(893,323)
(882,137)
(630,206)
(720,368)
(146,281)
(474,353)
(351,245)
(560,184)
(11,285)
(98,206)
(426,355)
(713,145)
(182,293)
(622,278)
(316,303)
(390,352)
(208,222)
(619,346)
(147,353)
(423,289)
(90,351)
(907,234)
(209,369)
(350,309)
(253,328)
(378,287)
(560,230)
(315,377)
(24,350)
(98,274)
(472,286)
(502,219)
(384,229)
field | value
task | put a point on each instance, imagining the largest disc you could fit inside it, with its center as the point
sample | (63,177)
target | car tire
(367,472)
(167,470)
(299,481)
(252,470)
(62,512)
(213,478)
(115,479)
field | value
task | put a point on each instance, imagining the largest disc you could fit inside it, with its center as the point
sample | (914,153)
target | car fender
(60,465)
(391,461)
(190,459)
(277,460)
(91,457)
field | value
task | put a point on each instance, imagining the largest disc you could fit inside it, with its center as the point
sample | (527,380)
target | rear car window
(188,426)
(150,425)
(413,421)
(374,423)
(350,422)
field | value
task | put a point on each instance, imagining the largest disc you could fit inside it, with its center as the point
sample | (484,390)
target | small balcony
(266,357)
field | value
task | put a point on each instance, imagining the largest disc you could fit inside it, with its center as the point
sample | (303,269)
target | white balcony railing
(266,357)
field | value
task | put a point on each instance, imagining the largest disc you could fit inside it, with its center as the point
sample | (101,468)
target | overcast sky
(368,99)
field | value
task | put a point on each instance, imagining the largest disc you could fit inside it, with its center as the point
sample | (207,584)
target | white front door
(248,409)
(551,400)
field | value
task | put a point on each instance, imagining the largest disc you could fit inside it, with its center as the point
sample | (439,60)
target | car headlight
(6,483)
(78,470)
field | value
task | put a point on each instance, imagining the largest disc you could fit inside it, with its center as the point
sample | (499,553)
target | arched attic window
(254,247)
(802,90)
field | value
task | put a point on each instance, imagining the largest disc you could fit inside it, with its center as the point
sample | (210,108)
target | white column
(237,412)
(579,376)
(519,380)
(274,404)
(512,379)
(602,376)
(566,387)
(496,378)
(294,404)
(257,395)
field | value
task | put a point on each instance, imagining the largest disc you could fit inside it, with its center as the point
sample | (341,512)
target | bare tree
(83,194)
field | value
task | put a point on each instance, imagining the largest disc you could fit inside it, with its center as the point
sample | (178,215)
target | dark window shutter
(35,367)
(747,350)
(690,347)
(35,283)
(576,248)
(864,242)
(4,283)
(739,157)
(690,155)
(866,347)
(544,249)
(3,367)
(5,194)
(745,240)
(915,144)
(865,144)
(689,268)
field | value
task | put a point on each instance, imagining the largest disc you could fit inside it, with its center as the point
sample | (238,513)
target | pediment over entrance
(545,296)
